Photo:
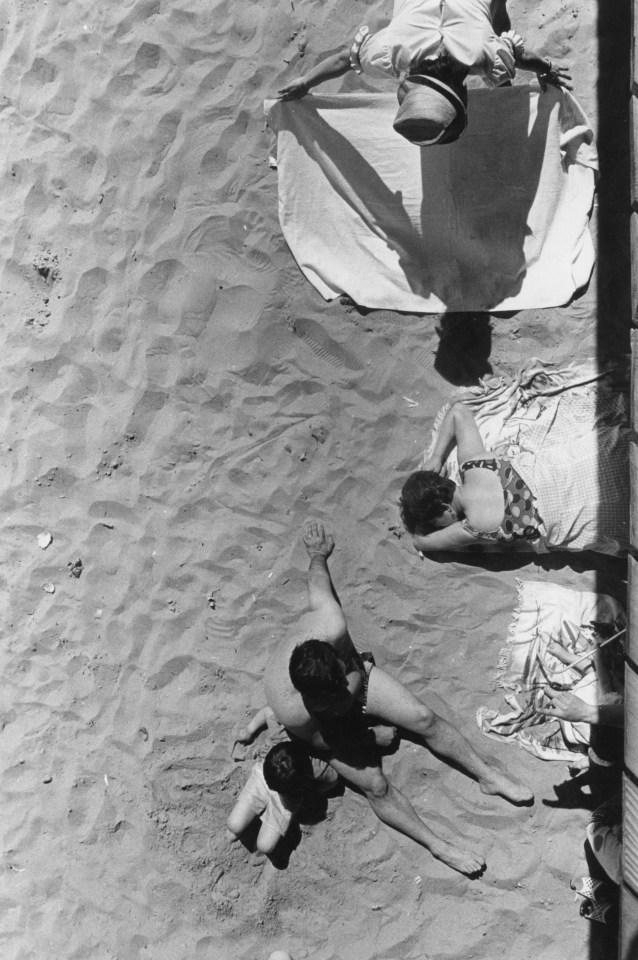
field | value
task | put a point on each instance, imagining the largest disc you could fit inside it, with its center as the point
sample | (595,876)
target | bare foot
(243,736)
(471,864)
(501,786)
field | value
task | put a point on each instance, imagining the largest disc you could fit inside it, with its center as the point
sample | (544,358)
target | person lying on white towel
(431,47)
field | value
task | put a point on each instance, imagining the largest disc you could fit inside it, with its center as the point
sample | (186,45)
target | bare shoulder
(280,693)
(281,696)
(329,625)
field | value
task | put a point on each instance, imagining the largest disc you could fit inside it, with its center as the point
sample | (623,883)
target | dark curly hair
(287,767)
(315,669)
(424,497)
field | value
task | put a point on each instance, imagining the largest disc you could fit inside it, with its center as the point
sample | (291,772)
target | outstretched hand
(318,542)
(295,89)
(555,77)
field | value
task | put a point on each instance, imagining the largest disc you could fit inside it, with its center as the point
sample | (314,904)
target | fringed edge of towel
(436,426)
(505,653)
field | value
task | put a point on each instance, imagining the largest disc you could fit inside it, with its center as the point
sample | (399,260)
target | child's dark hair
(424,497)
(287,767)
(315,669)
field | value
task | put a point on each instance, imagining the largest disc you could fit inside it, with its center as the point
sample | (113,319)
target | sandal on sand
(597,910)
(589,888)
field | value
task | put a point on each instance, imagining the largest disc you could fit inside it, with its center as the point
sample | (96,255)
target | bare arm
(262,719)
(454,537)
(322,599)
(328,69)
(459,429)
(567,706)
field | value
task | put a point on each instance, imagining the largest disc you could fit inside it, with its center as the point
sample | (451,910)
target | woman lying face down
(491,505)
(556,478)
(431,48)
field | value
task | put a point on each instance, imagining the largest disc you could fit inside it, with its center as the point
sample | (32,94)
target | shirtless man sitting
(323,692)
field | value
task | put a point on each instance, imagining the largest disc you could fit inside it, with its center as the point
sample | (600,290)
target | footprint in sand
(238,308)
(259,260)
(324,347)
(91,285)
(219,158)
(230,340)
(163,140)
(147,57)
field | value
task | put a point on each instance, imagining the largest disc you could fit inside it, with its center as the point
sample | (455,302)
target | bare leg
(393,808)
(267,838)
(393,703)
(500,17)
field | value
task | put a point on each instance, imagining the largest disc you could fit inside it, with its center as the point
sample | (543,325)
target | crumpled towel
(496,221)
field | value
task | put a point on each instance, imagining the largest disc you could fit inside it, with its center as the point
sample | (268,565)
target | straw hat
(430,111)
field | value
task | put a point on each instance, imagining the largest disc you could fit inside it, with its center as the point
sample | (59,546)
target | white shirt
(418,27)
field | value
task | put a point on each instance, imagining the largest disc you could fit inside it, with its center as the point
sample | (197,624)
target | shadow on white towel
(496,221)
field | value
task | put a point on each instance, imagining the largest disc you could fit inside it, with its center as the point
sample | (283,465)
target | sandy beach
(176,400)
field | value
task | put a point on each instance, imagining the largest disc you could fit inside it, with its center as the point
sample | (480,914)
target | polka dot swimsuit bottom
(520,516)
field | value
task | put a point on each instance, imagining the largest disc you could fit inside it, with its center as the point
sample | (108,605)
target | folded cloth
(574,620)
(566,432)
(497,220)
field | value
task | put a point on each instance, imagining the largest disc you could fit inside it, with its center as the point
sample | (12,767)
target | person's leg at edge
(391,702)
(394,809)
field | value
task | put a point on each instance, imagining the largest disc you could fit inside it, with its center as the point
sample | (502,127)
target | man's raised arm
(322,600)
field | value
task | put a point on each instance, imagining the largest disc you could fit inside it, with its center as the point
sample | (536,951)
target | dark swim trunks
(352,728)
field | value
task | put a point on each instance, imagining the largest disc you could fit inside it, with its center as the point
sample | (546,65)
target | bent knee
(267,843)
(425,720)
(233,826)
(238,820)
(377,786)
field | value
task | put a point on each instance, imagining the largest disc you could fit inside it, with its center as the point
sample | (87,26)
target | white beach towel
(496,221)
